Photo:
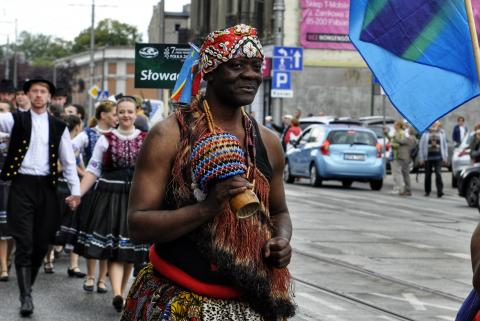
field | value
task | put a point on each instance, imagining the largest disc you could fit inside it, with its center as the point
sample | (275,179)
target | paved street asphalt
(358,255)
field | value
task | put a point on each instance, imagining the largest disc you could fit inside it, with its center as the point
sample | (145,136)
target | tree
(107,33)
(42,50)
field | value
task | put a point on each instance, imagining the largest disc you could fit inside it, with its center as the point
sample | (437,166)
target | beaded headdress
(234,42)
(219,47)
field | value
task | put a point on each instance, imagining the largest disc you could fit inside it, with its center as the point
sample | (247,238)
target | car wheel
(347,184)
(376,185)
(315,179)
(471,195)
(454,181)
(287,177)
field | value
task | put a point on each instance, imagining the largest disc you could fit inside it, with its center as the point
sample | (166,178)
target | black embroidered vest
(20,140)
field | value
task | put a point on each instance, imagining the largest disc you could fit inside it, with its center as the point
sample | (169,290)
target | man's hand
(222,191)
(421,163)
(73,201)
(278,251)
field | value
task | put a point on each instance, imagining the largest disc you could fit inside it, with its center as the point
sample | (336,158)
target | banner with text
(325,24)
(158,65)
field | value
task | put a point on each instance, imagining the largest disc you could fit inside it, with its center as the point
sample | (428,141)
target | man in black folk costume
(38,142)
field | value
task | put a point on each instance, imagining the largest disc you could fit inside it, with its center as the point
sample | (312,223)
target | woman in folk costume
(113,162)
(67,234)
(4,187)
(210,261)
(104,121)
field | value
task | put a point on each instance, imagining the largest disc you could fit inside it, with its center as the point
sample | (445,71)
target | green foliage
(107,33)
(42,50)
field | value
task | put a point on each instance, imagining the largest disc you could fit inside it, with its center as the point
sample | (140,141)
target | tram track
(351,299)
(363,271)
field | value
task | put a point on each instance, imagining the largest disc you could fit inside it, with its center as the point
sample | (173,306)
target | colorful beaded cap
(234,42)
(216,156)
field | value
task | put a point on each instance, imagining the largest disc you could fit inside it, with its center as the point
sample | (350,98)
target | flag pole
(473,35)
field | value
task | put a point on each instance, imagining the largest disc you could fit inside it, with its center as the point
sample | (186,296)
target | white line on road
(414,301)
(418,245)
(320,301)
(443,307)
(384,317)
(378,236)
(459,255)
(443,317)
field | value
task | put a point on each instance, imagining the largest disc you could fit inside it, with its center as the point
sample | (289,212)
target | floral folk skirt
(153,298)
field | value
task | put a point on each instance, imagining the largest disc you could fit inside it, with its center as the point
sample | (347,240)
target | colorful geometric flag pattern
(420,31)
(421,53)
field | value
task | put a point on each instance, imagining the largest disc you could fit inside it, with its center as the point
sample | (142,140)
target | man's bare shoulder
(269,137)
(166,129)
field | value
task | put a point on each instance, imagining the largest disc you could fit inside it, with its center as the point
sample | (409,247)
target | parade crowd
(157,201)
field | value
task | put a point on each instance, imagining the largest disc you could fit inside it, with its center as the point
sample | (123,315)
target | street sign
(287,58)
(93,91)
(281,80)
(281,84)
(158,65)
(102,94)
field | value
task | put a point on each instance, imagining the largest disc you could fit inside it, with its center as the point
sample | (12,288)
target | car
(376,120)
(461,157)
(341,152)
(325,120)
(468,184)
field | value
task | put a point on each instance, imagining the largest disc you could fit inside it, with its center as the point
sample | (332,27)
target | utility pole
(7,62)
(278,10)
(92,57)
(15,72)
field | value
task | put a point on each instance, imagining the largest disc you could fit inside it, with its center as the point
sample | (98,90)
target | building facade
(333,81)
(168,27)
(114,71)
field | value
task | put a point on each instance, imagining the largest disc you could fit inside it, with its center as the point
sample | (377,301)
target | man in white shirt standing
(38,142)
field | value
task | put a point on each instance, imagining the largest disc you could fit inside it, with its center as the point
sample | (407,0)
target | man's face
(21,99)
(236,82)
(71,110)
(39,95)
(461,121)
(7,96)
(59,100)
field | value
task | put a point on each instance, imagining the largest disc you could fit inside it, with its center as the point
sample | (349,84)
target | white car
(461,157)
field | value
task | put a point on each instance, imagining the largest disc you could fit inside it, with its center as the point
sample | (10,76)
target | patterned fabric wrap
(234,42)
(122,153)
(154,298)
(216,157)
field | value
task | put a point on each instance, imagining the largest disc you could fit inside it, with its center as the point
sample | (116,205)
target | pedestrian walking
(475,145)
(459,131)
(66,236)
(432,154)
(112,162)
(38,141)
(202,266)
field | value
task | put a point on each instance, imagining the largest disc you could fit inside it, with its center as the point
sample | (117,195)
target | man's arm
(277,250)
(475,255)
(147,222)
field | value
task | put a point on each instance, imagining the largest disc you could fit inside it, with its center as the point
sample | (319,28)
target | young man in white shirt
(38,142)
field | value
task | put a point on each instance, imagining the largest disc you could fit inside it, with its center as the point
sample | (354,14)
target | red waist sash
(181,278)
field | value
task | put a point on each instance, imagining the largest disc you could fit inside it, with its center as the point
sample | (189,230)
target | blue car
(336,152)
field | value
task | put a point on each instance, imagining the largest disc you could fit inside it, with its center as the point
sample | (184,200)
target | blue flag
(421,53)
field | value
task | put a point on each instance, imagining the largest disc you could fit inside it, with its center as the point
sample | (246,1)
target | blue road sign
(292,58)
(281,80)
